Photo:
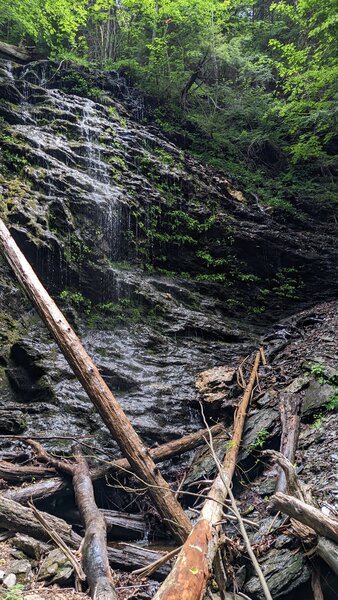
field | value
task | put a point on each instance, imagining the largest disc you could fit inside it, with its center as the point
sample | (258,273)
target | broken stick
(192,570)
(89,376)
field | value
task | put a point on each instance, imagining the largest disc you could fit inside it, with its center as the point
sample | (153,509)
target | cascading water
(86,167)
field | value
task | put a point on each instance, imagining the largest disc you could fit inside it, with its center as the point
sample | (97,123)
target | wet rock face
(152,256)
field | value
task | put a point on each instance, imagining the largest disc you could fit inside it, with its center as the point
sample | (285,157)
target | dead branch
(325,548)
(306,514)
(59,542)
(150,569)
(46,489)
(190,574)
(289,409)
(294,486)
(94,548)
(236,512)
(328,551)
(11,472)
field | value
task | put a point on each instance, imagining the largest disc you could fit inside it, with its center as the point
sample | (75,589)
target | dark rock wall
(164,266)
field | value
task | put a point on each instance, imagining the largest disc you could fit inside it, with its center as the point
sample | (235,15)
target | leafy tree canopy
(250,85)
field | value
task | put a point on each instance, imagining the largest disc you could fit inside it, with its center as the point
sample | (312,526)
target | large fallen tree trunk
(190,574)
(306,514)
(42,490)
(111,412)
(21,519)
(12,472)
(94,548)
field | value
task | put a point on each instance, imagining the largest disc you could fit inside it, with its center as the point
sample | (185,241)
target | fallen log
(325,548)
(306,514)
(45,489)
(41,490)
(192,570)
(94,548)
(120,525)
(289,409)
(20,54)
(21,519)
(89,376)
(328,551)
(12,472)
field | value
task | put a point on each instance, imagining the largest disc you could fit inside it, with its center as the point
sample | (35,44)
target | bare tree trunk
(328,551)
(97,390)
(45,489)
(190,574)
(94,548)
(289,408)
(193,77)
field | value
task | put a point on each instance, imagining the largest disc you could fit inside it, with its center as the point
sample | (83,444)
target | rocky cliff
(164,266)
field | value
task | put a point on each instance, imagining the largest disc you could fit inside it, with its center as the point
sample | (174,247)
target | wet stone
(55,568)
(29,546)
(22,569)
(283,570)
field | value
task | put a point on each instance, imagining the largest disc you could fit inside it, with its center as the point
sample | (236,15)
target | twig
(59,542)
(263,357)
(154,566)
(234,518)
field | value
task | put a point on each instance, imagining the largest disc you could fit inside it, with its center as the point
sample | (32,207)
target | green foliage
(108,315)
(260,440)
(249,85)
(76,251)
(77,299)
(50,22)
(13,161)
(14,593)
(76,84)
(286,283)
(332,403)
(321,375)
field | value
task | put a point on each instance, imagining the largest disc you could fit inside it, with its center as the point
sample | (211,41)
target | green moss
(76,251)
(113,112)
(11,329)
(77,299)
(109,315)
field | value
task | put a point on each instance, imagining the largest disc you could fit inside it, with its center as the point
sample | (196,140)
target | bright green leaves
(54,22)
(308,68)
